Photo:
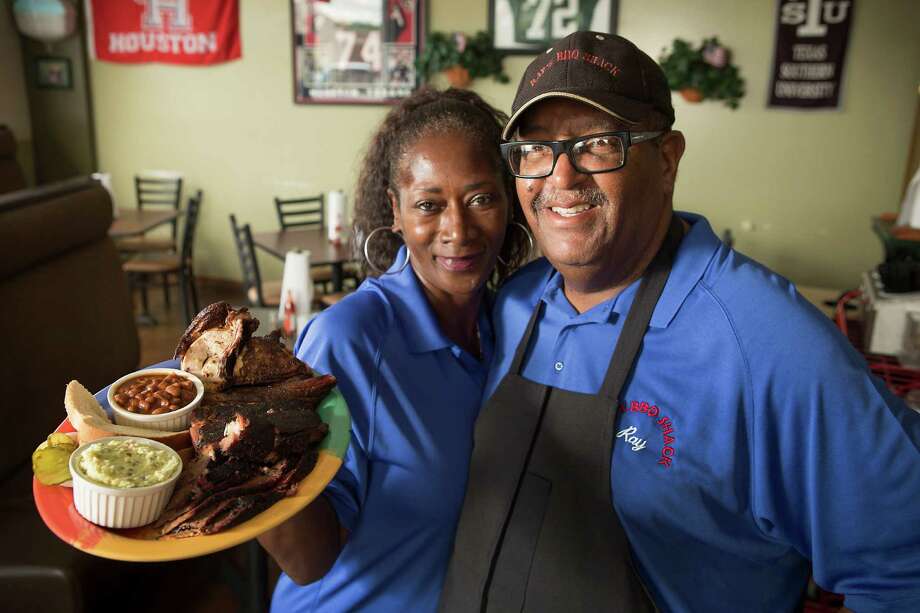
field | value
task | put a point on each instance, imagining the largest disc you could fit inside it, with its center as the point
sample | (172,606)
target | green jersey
(543,21)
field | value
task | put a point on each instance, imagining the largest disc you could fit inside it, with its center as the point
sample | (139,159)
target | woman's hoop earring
(529,240)
(367,258)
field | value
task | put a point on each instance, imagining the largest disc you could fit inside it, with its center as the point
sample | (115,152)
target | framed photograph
(53,73)
(529,26)
(355,51)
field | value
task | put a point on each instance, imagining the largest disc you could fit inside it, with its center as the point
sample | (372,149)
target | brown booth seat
(67,314)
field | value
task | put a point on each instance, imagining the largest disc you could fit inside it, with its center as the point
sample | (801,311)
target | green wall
(62,132)
(14,104)
(52,126)
(797,189)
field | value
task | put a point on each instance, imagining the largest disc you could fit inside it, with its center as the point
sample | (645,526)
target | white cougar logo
(179,18)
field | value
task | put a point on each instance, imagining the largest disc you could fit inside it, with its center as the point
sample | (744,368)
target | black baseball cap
(605,71)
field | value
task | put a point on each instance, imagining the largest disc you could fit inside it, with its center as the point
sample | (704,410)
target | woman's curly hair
(429,111)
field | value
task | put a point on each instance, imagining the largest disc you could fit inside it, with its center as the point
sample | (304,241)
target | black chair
(306,213)
(140,268)
(324,301)
(259,293)
(301,212)
(155,190)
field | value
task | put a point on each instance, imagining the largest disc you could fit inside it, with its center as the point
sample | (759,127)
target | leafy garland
(476,54)
(707,69)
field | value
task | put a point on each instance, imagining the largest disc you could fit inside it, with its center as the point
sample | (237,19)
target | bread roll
(91,422)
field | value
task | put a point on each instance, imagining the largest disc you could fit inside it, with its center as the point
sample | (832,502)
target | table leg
(258,577)
(337,277)
(144,318)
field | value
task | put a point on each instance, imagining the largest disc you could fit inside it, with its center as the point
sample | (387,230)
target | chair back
(159,189)
(191,223)
(246,249)
(300,212)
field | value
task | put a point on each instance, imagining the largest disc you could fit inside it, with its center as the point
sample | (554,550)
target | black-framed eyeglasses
(590,154)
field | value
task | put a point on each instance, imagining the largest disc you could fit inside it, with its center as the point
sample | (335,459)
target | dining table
(134,222)
(323,252)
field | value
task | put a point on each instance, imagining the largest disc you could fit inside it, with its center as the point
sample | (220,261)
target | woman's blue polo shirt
(413,396)
(752,441)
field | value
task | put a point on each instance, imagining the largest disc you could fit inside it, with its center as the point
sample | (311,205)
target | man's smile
(572,211)
(569,204)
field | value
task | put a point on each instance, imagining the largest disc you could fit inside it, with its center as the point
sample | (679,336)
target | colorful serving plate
(55,505)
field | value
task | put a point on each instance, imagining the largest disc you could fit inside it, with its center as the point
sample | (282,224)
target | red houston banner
(169,31)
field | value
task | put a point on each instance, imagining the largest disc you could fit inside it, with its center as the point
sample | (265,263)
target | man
(750,446)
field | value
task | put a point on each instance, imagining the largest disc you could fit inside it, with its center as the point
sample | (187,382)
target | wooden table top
(131,222)
(314,240)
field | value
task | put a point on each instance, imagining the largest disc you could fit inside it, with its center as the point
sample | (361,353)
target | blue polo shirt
(413,396)
(751,438)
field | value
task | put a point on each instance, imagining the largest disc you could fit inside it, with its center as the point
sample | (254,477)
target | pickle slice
(49,464)
(59,439)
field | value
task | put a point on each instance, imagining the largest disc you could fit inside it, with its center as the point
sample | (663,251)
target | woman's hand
(307,545)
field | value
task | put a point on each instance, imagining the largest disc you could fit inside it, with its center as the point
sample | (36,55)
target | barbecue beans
(155,394)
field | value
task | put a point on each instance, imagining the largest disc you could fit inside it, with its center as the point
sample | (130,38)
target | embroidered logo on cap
(543,69)
(570,55)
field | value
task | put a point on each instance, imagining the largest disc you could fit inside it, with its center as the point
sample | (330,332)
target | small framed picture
(53,73)
(526,27)
(355,51)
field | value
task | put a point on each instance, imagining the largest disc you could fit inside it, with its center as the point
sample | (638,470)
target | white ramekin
(114,507)
(173,421)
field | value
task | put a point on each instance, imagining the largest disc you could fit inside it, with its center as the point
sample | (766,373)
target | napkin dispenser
(105,179)
(296,293)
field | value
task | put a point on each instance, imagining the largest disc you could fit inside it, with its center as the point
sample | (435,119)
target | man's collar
(554,297)
(692,258)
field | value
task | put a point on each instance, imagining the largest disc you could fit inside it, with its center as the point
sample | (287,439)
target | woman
(411,350)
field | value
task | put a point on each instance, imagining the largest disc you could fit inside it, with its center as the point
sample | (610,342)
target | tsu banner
(811,44)
(168,31)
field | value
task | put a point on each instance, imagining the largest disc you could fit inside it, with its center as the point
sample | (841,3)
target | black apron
(538,531)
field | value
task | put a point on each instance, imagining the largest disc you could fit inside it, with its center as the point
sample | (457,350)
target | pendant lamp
(47,21)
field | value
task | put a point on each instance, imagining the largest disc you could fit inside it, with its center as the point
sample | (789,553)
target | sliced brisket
(251,452)
(255,431)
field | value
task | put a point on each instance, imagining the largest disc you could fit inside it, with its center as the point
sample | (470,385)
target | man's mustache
(586,195)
